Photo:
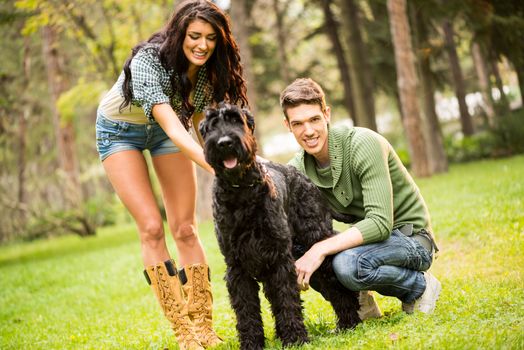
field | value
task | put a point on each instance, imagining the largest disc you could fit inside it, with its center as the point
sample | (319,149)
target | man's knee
(345,267)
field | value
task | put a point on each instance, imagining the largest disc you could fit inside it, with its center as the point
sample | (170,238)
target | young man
(389,245)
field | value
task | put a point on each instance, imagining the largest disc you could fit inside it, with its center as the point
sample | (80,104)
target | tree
(281,39)
(241,32)
(507,30)
(362,81)
(332,30)
(64,130)
(484,82)
(408,86)
(458,79)
(433,132)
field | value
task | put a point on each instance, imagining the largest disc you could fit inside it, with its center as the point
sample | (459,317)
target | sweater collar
(335,158)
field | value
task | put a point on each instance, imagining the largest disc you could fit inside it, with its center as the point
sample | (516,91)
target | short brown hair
(302,91)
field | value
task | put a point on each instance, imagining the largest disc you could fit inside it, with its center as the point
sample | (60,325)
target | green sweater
(367,180)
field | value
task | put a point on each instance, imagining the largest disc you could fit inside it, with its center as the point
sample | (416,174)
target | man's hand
(307,265)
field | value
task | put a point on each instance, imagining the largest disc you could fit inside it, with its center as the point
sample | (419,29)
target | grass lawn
(74,293)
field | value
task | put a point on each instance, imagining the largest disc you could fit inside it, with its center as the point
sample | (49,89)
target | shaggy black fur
(266,216)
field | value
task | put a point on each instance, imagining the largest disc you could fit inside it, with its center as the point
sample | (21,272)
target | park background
(443,81)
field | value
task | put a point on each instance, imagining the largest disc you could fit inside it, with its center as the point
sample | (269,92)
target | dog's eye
(234,118)
(212,122)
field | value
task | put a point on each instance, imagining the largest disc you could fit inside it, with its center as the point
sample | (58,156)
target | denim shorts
(114,136)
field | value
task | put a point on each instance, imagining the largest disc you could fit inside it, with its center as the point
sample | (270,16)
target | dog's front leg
(344,301)
(243,293)
(282,292)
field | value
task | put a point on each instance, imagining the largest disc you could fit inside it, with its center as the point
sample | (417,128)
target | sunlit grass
(74,293)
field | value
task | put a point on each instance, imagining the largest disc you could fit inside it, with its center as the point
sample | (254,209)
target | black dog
(266,216)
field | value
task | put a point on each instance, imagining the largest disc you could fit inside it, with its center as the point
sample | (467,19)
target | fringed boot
(165,283)
(197,287)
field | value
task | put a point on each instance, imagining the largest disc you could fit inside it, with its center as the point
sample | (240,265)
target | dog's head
(230,145)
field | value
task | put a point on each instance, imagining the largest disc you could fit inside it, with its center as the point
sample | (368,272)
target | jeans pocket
(108,131)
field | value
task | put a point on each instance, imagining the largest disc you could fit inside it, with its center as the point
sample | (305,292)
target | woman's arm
(168,120)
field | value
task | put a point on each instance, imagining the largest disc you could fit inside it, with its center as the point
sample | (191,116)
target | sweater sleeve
(370,162)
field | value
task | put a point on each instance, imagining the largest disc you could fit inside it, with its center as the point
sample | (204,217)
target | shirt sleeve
(370,162)
(146,78)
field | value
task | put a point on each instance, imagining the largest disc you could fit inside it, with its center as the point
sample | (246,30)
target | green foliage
(89,293)
(466,148)
(80,99)
(403,154)
(509,132)
(506,138)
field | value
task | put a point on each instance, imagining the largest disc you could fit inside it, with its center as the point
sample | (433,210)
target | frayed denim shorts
(114,136)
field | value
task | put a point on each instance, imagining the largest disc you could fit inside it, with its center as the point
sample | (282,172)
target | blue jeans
(392,267)
(114,136)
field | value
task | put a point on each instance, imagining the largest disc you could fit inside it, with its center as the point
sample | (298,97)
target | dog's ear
(210,113)
(250,120)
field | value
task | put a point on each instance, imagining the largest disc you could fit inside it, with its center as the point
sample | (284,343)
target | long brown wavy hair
(224,68)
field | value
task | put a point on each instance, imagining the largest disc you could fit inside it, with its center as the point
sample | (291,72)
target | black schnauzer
(267,215)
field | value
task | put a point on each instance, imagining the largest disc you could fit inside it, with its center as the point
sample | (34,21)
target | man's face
(309,125)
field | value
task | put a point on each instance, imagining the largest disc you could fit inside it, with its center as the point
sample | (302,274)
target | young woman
(165,85)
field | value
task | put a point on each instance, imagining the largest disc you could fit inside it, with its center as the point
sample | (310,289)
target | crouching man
(389,245)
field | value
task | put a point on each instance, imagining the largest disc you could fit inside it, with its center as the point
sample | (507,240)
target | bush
(504,139)
(467,148)
(83,221)
(509,133)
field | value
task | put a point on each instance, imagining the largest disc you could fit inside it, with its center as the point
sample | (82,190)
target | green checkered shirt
(151,84)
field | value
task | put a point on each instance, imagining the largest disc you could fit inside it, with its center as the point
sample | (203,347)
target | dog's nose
(225,142)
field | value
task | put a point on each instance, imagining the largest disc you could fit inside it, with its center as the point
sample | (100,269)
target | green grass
(74,293)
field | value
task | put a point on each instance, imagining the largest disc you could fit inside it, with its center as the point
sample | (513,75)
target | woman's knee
(346,270)
(185,233)
(152,233)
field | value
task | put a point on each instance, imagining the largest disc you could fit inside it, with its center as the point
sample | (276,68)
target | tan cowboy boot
(165,283)
(197,287)
(368,306)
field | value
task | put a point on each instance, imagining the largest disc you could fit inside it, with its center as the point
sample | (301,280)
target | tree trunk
(408,86)
(282,46)
(22,131)
(503,99)
(438,160)
(484,84)
(458,79)
(362,82)
(241,33)
(519,69)
(64,130)
(333,34)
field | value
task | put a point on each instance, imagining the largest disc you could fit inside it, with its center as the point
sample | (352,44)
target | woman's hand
(307,265)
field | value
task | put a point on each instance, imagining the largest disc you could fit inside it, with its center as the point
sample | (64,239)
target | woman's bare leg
(177,176)
(127,171)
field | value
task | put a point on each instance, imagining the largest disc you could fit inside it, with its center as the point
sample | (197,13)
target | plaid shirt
(151,84)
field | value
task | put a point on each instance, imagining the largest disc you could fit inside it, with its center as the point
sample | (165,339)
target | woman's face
(199,42)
